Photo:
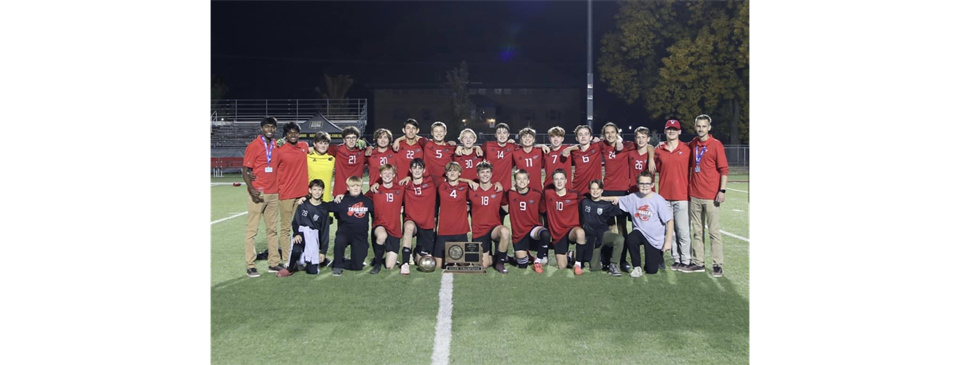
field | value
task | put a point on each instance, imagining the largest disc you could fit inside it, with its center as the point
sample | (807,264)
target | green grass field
(522,316)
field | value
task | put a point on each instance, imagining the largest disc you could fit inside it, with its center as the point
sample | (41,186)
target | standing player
(408,147)
(708,188)
(320,163)
(555,158)
(615,173)
(452,224)
(500,154)
(652,225)
(586,156)
(437,152)
(419,199)
(640,157)
(380,155)
(291,178)
(530,158)
(596,215)
(350,160)
(468,155)
(261,182)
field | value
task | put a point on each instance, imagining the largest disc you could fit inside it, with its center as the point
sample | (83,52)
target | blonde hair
(556,131)
(465,131)
(453,166)
(387,167)
(354,180)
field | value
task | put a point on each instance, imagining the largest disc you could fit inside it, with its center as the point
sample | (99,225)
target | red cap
(672,123)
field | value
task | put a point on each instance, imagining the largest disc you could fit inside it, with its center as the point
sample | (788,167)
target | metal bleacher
(234,122)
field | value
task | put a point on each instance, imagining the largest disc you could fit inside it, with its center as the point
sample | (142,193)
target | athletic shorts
(440,246)
(485,241)
(425,238)
(561,245)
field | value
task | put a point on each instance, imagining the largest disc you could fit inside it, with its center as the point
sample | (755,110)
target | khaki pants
(287,207)
(268,210)
(700,208)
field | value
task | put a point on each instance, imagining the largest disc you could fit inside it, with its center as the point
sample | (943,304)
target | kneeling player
(452,224)
(419,199)
(597,216)
(387,201)
(525,207)
(652,225)
(310,236)
(354,210)
(487,227)
(563,218)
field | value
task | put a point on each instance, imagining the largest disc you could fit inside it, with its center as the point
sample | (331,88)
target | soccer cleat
(577,270)
(375,270)
(717,271)
(500,268)
(405,269)
(284,273)
(691,268)
(614,271)
(625,267)
(538,267)
(337,271)
(275,268)
(636,273)
(253,273)
(662,266)
(570,260)
(605,267)
(676,266)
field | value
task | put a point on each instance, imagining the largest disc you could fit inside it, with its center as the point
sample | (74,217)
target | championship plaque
(463,257)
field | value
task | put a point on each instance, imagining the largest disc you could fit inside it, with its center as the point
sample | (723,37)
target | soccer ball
(428,264)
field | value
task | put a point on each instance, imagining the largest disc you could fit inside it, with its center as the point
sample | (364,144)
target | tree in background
(336,89)
(683,59)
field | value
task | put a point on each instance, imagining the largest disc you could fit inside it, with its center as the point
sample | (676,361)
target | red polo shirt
(292,177)
(255,158)
(713,164)
(674,169)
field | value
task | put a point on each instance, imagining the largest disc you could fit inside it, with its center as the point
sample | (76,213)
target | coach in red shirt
(292,181)
(708,184)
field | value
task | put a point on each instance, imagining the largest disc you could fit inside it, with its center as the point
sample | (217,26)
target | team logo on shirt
(599,211)
(588,209)
(304,213)
(315,217)
(357,210)
(644,213)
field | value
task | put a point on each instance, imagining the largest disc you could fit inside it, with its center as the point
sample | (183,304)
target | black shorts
(561,245)
(392,244)
(485,241)
(425,239)
(440,246)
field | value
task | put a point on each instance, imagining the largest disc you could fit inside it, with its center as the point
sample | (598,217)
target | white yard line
(230,217)
(223,183)
(747,240)
(742,191)
(441,342)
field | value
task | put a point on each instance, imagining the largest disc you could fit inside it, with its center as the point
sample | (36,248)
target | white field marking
(230,217)
(747,240)
(441,342)
(738,210)
(742,191)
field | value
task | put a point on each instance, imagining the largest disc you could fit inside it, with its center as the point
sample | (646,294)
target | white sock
(577,264)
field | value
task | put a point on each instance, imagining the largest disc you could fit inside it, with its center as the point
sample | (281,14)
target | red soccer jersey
(255,158)
(532,162)
(469,165)
(615,167)
(405,155)
(639,162)
(378,159)
(563,212)
(349,163)
(553,161)
(485,210)
(713,164)
(588,167)
(386,208)
(437,155)
(525,210)
(501,157)
(453,209)
(419,203)
(292,170)
(674,170)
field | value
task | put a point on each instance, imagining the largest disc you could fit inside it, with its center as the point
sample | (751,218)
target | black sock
(542,251)
(502,256)
(406,255)
(378,254)
(581,253)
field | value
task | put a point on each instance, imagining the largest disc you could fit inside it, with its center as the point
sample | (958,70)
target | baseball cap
(672,123)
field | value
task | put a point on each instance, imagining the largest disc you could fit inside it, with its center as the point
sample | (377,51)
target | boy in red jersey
(452,224)
(437,152)
(380,155)
(350,160)
(387,202)
(487,225)
(586,156)
(468,155)
(554,158)
(407,147)
(525,207)
(673,164)
(641,157)
(500,154)
(419,217)
(563,217)
(530,158)
(708,188)
(412,146)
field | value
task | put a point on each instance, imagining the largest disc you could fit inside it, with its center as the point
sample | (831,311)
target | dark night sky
(282,49)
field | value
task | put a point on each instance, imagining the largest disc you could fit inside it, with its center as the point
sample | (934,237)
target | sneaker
(636,273)
(717,271)
(284,273)
(253,273)
(326,262)
(405,269)
(662,266)
(614,271)
(625,267)
(676,266)
(691,268)
(500,268)
(605,267)
(570,261)
(375,270)
(538,267)
(337,272)
(276,268)
(262,255)
(577,270)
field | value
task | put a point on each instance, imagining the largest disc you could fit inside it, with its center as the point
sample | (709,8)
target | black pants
(653,256)
(358,250)
(312,269)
